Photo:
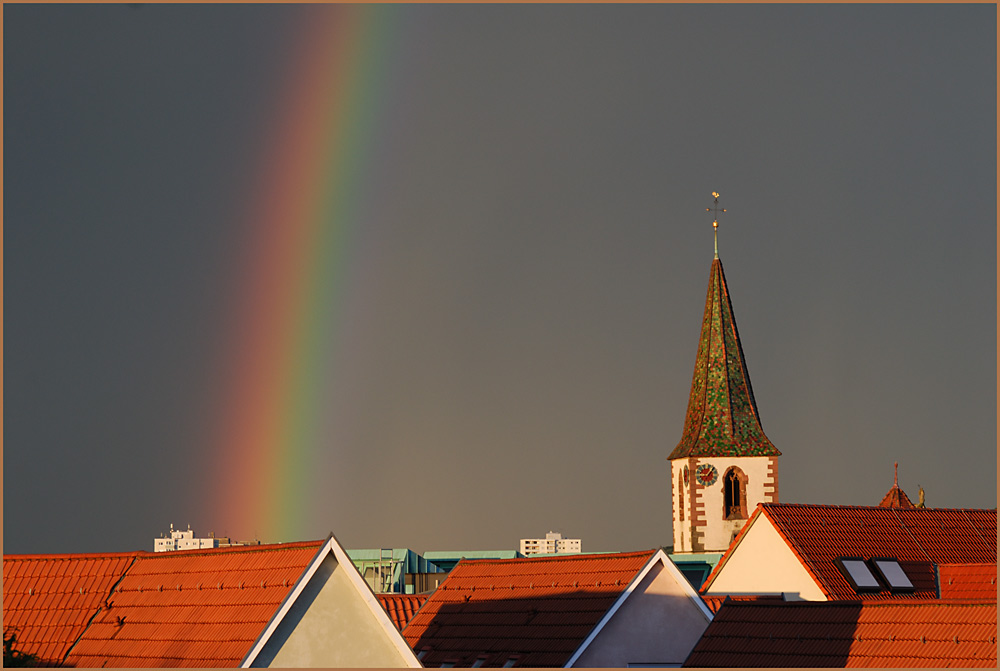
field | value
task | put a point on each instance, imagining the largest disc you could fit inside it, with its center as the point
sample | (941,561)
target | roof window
(889,570)
(858,573)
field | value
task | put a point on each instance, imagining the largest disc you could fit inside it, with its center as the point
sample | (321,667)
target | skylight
(892,573)
(858,574)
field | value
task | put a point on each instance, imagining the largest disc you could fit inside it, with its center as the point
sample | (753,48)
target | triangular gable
(762,560)
(331,594)
(529,612)
(632,591)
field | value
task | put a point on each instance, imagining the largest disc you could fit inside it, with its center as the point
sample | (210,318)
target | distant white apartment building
(185,540)
(553,543)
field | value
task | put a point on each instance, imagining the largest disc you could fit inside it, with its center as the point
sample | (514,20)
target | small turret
(896,497)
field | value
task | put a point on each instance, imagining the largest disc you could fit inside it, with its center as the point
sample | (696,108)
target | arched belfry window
(680,495)
(734,484)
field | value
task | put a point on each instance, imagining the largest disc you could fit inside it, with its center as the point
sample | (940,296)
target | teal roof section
(446,559)
(696,567)
(385,569)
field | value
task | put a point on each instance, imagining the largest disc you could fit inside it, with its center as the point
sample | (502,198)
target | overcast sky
(532,280)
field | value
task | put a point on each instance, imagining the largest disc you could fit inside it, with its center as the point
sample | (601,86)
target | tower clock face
(706,475)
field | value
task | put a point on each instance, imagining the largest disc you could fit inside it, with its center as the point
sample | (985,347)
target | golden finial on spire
(715,222)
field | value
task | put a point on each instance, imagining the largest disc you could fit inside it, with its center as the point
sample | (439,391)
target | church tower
(724,465)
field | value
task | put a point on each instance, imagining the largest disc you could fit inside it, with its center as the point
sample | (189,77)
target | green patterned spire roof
(722,416)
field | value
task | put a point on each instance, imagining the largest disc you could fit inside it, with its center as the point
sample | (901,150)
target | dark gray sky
(535,276)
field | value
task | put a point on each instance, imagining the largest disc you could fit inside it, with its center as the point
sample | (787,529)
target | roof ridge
(71,555)
(559,557)
(837,505)
(263,547)
(867,603)
(235,549)
(967,563)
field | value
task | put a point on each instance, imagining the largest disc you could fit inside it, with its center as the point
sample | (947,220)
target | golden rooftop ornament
(715,222)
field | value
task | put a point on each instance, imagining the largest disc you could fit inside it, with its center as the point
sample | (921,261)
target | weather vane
(715,222)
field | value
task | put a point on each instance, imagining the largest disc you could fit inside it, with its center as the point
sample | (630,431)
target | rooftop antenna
(715,222)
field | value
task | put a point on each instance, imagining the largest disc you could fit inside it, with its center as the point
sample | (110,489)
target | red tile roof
(968,581)
(918,537)
(48,599)
(537,609)
(715,601)
(401,607)
(849,634)
(195,608)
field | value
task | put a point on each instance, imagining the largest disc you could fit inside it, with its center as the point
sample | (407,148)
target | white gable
(657,620)
(762,563)
(331,619)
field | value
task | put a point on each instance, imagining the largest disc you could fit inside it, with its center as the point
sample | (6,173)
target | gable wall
(764,564)
(658,623)
(330,625)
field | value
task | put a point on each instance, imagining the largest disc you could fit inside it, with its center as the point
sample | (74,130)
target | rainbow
(272,434)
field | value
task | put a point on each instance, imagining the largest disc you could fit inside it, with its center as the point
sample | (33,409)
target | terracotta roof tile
(538,609)
(968,581)
(193,608)
(918,537)
(48,599)
(187,608)
(850,634)
(715,601)
(401,607)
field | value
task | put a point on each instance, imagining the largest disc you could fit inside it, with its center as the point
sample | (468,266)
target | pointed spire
(722,415)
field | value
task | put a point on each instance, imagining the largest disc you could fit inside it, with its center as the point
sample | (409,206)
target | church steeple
(724,465)
(722,418)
